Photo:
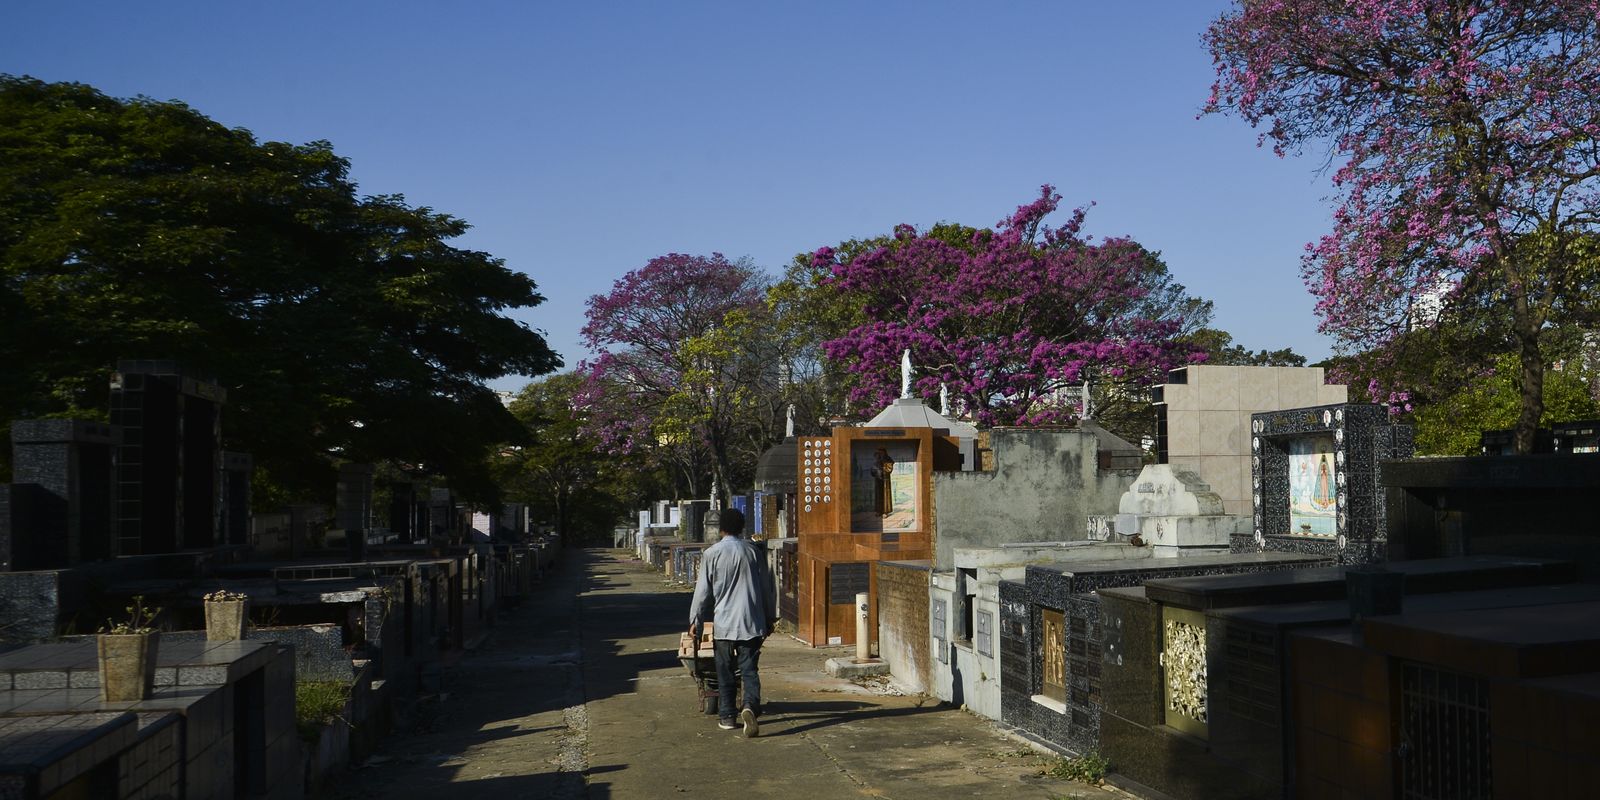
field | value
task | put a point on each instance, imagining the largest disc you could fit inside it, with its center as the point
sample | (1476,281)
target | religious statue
(1322,492)
(882,475)
(905,373)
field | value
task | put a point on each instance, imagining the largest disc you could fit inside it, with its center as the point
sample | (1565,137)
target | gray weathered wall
(1045,484)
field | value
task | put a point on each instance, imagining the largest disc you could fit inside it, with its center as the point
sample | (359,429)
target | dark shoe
(727,724)
(748,719)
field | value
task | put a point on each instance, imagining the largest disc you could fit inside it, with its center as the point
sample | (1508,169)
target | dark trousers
(745,654)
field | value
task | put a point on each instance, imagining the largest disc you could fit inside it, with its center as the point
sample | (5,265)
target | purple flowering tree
(666,376)
(1467,137)
(1008,320)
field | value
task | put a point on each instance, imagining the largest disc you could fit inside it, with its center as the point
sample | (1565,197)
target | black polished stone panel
(1363,437)
(1245,708)
(1469,573)
(1072,589)
(1176,765)
(1505,505)
(1016,670)
(1130,668)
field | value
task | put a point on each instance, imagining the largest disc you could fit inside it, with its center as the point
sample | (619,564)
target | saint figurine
(1322,495)
(882,474)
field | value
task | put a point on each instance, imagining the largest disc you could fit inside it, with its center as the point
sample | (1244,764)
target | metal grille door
(1444,735)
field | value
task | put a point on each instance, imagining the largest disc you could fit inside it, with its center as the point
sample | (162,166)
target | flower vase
(127,665)
(225,620)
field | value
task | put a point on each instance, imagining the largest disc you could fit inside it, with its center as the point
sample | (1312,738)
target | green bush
(317,704)
(1088,768)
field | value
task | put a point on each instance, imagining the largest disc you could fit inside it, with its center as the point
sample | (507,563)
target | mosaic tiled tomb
(1314,481)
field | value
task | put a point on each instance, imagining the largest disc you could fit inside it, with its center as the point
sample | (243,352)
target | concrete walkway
(579,694)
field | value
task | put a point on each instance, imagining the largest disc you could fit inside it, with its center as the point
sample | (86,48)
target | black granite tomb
(65,518)
(1511,505)
(1070,589)
(1216,650)
(169,461)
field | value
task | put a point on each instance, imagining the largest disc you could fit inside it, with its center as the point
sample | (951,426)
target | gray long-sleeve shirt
(734,591)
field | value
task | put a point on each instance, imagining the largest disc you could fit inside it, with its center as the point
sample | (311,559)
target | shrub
(318,704)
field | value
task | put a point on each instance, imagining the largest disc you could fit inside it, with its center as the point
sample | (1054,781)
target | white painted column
(863,639)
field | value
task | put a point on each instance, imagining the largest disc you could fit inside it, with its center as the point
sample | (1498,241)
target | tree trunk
(1528,334)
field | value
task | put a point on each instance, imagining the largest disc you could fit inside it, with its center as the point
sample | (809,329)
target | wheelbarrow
(701,661)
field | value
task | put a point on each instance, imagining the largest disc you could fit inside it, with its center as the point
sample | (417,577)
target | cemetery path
(579,696)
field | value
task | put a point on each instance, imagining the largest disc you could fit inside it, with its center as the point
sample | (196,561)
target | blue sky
(582,139)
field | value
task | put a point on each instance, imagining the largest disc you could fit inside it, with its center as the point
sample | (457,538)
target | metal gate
(1444,735)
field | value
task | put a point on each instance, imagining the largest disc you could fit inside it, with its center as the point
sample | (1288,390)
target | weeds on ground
(1089,768)
(318,704)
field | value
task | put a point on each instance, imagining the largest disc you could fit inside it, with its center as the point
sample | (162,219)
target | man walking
(735,593)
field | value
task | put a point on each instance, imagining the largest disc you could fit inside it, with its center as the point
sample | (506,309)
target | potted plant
(128,654)
(226,615)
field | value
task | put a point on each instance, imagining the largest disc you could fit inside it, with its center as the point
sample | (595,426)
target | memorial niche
(1314,480)
(885,494)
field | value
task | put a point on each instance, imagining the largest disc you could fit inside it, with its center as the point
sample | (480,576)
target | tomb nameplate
(940,623)
(983,637)
(886,432)
(845,581)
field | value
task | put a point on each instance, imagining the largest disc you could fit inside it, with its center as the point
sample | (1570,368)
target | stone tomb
(1177,514)
(169,463)
(60,504)
(1203,418)
(1314,480)
(1505,505)
(1052,639)
(220,723)
(964,616)
(1193,670)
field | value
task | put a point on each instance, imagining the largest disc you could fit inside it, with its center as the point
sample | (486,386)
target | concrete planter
(127,665)
(225,620)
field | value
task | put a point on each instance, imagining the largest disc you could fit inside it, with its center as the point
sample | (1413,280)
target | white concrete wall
(972,678)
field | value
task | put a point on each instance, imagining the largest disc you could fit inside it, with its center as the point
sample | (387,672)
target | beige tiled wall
(1208,419)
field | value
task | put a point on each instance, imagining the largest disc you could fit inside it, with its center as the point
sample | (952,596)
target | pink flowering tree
(1466,135)
(667,379)
(1009,320)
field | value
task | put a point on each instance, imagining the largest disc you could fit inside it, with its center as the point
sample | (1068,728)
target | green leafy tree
(562,472)
(1493,401)
(342,326)
(1221,351)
